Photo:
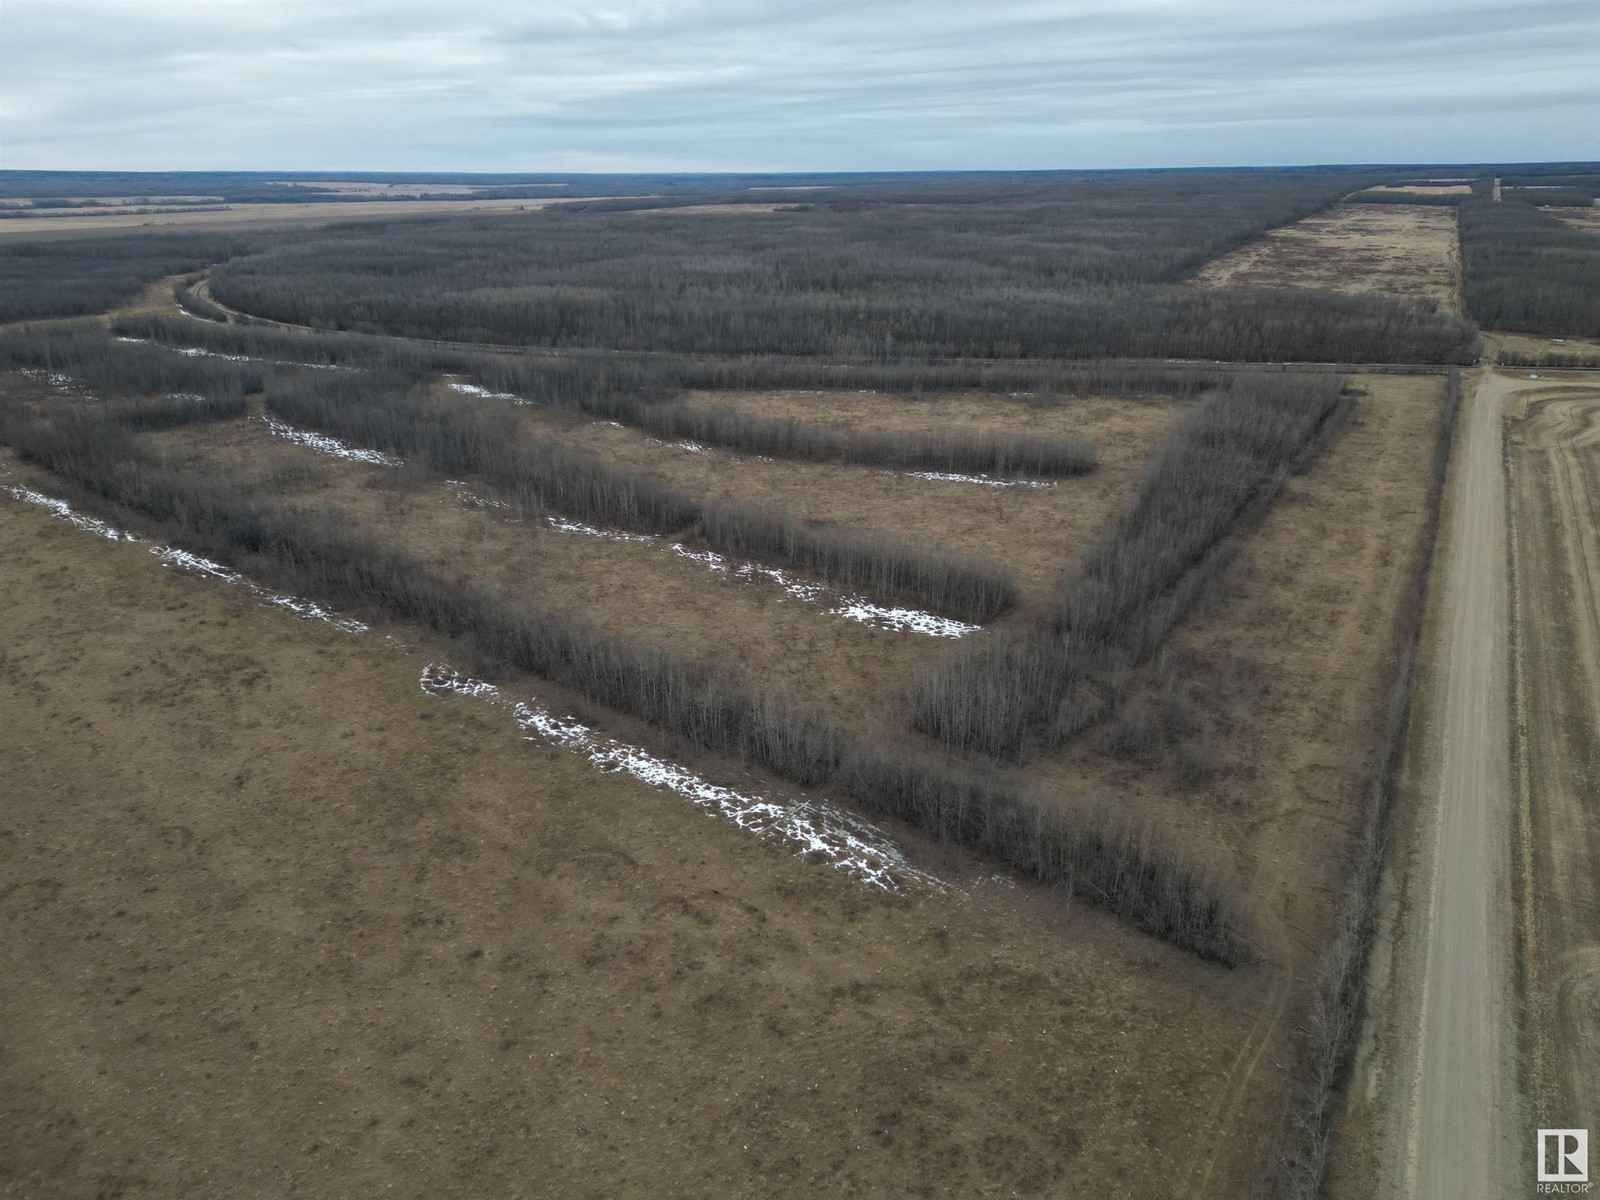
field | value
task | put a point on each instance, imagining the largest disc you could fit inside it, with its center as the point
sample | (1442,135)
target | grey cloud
(788,84)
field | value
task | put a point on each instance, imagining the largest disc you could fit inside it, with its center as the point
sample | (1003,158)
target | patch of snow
(563,525)
(62,383)
(171,556)
(987,481)
(324,444)
(851,608)
(198,352)
(473,389)
(65,512)
(690,447)
(472,498)
(808,828)
(903,620)
(201,352)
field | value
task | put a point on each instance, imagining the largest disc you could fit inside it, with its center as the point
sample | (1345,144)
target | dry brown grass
(1425,189)
(270,216)
(1538,345)
(1313,593)
(1035,531)
(275,922)
(1586,219)
(656,993)
(634,589)
(1403,250)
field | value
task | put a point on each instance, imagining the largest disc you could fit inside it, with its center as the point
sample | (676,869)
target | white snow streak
(809,828)
(171,556)
(690,447)
(324,444)
(473,389)
(851,608)
(201,352)
(951,477)
(65,512)
(563,525)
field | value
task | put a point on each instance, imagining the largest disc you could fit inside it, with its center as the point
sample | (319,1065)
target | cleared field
(1535,347)
(1283,778)
(1463,188)
(267,216)
(1554,481)
(387,924)
(229,830)
(362,187)
(1586,219)
(1406,251)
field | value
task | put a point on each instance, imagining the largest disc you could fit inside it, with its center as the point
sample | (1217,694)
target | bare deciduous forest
(1523,269)
(1074,270)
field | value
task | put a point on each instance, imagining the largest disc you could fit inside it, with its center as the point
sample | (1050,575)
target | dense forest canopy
(1523,269)
(1080,267)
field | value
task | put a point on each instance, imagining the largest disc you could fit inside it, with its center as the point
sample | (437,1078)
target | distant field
(1392,250)
(262,216)
(1462,188)
(1586,219)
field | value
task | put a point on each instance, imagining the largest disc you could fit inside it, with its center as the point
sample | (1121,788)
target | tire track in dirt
(1554,469)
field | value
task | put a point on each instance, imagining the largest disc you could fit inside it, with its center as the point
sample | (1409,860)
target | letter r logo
(1563,1156)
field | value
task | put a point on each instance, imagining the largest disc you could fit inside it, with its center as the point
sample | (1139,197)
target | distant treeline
(580,380)
(1094,850)
(1080,272)
(75,277)
(1524,270)
(1141,574)
(1446,200)
(1551,197)
(645,392)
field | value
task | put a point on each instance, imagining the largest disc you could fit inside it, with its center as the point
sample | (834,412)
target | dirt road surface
(1463,1092)
(1486,972)
(1434,1100)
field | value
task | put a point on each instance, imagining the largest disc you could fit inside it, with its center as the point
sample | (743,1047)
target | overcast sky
(648,85)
